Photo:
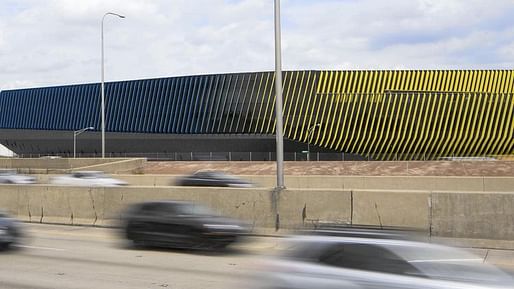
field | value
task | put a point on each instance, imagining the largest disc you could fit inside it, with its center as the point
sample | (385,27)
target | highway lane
(74,257)
(85,257)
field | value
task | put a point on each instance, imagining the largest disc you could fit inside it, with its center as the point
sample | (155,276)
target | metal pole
(74,145)
(308,149)
(103,84)
(278,105)
(103,92)
(309,139)
(75,134)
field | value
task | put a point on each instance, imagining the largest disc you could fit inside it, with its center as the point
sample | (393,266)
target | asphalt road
(72,257)
(83,257)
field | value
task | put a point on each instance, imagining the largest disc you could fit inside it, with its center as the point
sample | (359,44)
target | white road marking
(40,248)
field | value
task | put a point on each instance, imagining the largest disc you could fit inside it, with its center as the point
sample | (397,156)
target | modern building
(389,114)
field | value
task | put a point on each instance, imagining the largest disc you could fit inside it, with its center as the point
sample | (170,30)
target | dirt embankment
(373,168)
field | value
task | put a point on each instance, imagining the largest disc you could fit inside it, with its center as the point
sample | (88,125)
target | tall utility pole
(278,104)
(103,80)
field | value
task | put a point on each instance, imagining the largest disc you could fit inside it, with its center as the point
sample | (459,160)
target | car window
(7,172)
(212,175)
(303,251)
(367,257)
(147,209)
(85,175)
(93,176)
(223,176)
(201,174)
(157,209)
(193,209)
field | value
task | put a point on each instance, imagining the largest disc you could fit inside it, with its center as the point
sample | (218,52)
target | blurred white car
(374,260)
(12,177)
(87,179)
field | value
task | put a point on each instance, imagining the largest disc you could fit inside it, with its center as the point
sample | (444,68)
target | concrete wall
(487,217)
(102,206)
(493,184)
(298,208)
(60,165)
(116,166)
(392,208)
(473,215)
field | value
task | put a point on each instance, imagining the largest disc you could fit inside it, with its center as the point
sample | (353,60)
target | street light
(75,134)
(278,101)
(309,139)
(102,88)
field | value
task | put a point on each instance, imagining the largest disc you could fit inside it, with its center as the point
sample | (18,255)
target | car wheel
(133,233)
(138,243)
(4,246)
(220,246)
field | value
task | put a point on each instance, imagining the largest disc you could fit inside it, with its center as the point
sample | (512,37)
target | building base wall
(34,143)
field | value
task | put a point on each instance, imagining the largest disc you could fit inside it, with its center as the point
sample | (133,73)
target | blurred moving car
(212,179)
(371,261)
(50,157)
(179,224)
(87,178)
(10,231)
(12,177)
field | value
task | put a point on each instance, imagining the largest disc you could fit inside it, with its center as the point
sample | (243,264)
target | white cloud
(56,42)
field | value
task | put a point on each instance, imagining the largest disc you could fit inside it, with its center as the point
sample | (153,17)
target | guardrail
(270,156)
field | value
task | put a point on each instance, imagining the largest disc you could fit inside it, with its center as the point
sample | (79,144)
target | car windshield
(439,262)
(216,175)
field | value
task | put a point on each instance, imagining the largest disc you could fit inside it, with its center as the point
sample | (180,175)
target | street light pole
(103,80)
(309,139)
(75,134)
(278,105)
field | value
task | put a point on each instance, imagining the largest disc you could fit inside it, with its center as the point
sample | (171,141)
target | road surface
(84,257)
(74,257)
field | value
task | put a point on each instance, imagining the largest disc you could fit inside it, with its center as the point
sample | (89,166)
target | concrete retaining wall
(481,184)
(116,166)
(60,165)
(481,216)
(473,215)
(392,208)
(298,208)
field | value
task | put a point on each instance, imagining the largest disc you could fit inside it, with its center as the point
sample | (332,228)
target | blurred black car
(212,179)
(179,224)
(10,231)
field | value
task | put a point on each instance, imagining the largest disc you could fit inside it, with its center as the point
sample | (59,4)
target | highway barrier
(485,217)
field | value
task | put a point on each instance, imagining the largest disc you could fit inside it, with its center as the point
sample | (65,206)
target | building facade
(396,114)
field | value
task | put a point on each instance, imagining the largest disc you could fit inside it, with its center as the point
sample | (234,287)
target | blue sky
(53,42)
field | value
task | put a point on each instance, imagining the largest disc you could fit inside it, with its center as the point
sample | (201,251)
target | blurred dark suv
(179,224)
(10,231)
(212,179)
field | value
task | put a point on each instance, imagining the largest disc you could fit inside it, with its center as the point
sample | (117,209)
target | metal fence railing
(271,156)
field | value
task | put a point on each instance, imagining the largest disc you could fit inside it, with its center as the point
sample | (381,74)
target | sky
(56,42)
